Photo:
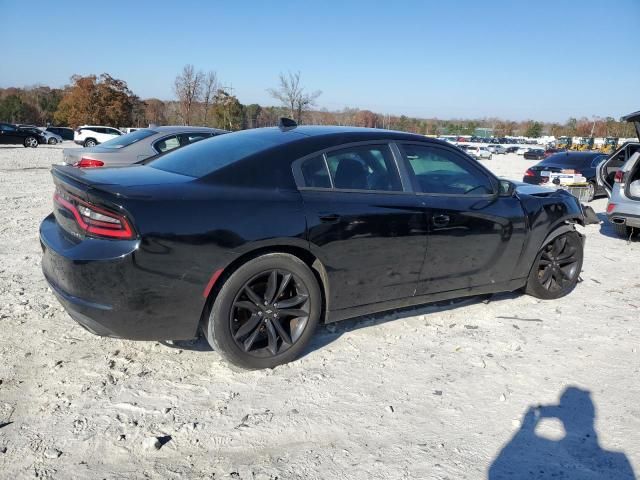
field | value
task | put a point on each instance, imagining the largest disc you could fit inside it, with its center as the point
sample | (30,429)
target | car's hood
(528,189)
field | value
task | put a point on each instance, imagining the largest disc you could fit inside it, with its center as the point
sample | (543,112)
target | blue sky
(515,59)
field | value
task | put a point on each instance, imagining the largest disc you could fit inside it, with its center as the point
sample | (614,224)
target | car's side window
(441,171)
(187,138)
(315,172)
(364,167)
(167,144)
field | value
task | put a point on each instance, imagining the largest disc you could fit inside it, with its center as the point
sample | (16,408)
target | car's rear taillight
(89,163)
(529,173)
(619,177)
(95,220)
(610,207)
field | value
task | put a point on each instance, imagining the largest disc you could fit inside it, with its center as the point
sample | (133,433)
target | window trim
(493,181)
(155,142)
(298,177)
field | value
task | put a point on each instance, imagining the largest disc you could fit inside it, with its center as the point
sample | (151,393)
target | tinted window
(437,170)
(202,158)
(315,173)
(167,144)
(568,160)
(128,139)
(192,137)
(369,167)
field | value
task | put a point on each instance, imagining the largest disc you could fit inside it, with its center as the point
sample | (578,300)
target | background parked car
(479,152)
(65,132)
(136,146)
(50,137)
(534,154)
(619,175)
(512,149)
(497,149)
(12,135)
(550,151)
(584,163)
(92,135)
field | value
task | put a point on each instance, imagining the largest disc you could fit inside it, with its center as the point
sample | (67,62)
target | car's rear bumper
(622,218)
(110,288)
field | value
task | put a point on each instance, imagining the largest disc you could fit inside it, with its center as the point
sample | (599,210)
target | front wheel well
(305,255)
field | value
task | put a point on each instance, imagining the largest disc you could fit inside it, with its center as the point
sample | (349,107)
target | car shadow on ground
(328,333)
(574,454)
(606,229)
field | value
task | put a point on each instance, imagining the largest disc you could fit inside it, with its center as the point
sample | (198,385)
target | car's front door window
(437,170)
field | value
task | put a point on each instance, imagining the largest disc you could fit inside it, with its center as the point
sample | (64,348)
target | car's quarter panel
(372,245)
(187,230)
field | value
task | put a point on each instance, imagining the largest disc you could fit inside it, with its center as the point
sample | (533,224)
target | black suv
(12,135)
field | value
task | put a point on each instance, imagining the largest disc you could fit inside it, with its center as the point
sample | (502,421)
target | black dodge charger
(254,237)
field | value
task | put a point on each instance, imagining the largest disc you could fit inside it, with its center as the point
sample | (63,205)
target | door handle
(441,220)
(329,217)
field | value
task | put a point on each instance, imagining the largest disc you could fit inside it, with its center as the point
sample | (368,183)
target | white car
(92,135)
(480,152)
(522,150)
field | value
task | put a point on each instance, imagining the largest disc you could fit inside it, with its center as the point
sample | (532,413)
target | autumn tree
(188,89)
(293,96)
(155,111)
(102,100)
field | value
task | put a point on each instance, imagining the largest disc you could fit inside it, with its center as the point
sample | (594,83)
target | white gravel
(435,392)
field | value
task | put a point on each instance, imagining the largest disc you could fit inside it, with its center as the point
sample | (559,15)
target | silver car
(620,176)
(50,137)
(497,149)
(137,146)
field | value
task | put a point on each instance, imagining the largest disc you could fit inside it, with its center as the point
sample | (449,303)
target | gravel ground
(442,392)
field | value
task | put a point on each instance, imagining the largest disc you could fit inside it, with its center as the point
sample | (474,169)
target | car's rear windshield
(205,157)
(568,160)
(128,139)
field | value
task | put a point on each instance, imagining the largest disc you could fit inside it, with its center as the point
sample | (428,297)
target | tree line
(202,99)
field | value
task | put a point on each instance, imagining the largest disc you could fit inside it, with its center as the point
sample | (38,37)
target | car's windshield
(207,156)
(128,139)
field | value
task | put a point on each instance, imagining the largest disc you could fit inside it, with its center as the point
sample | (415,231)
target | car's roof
(345,134)
(181,128)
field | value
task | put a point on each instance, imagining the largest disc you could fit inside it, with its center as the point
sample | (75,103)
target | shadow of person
(575,456)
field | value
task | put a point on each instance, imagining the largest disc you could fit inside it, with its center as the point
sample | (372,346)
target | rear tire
(250,325)
(31,142)
(90,142)
(52,141)
(621,230)
(592,192)
(556,269)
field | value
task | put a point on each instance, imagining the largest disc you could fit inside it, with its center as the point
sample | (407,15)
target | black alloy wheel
(269,313)
(557,267)
(265,312)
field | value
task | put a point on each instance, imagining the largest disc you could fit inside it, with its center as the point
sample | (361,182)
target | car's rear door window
(437,170)
(364,167)
(167,144)
(315,172)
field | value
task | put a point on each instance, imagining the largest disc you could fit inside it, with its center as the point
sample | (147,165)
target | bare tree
(210,87)
(188,89)
(293,96)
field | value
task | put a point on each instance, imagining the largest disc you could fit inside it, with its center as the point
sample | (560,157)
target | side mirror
(507,188)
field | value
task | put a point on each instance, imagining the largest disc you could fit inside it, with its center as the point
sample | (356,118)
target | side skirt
(343,314)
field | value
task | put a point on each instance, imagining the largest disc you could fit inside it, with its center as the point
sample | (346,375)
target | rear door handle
(329,217)
(441,220)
